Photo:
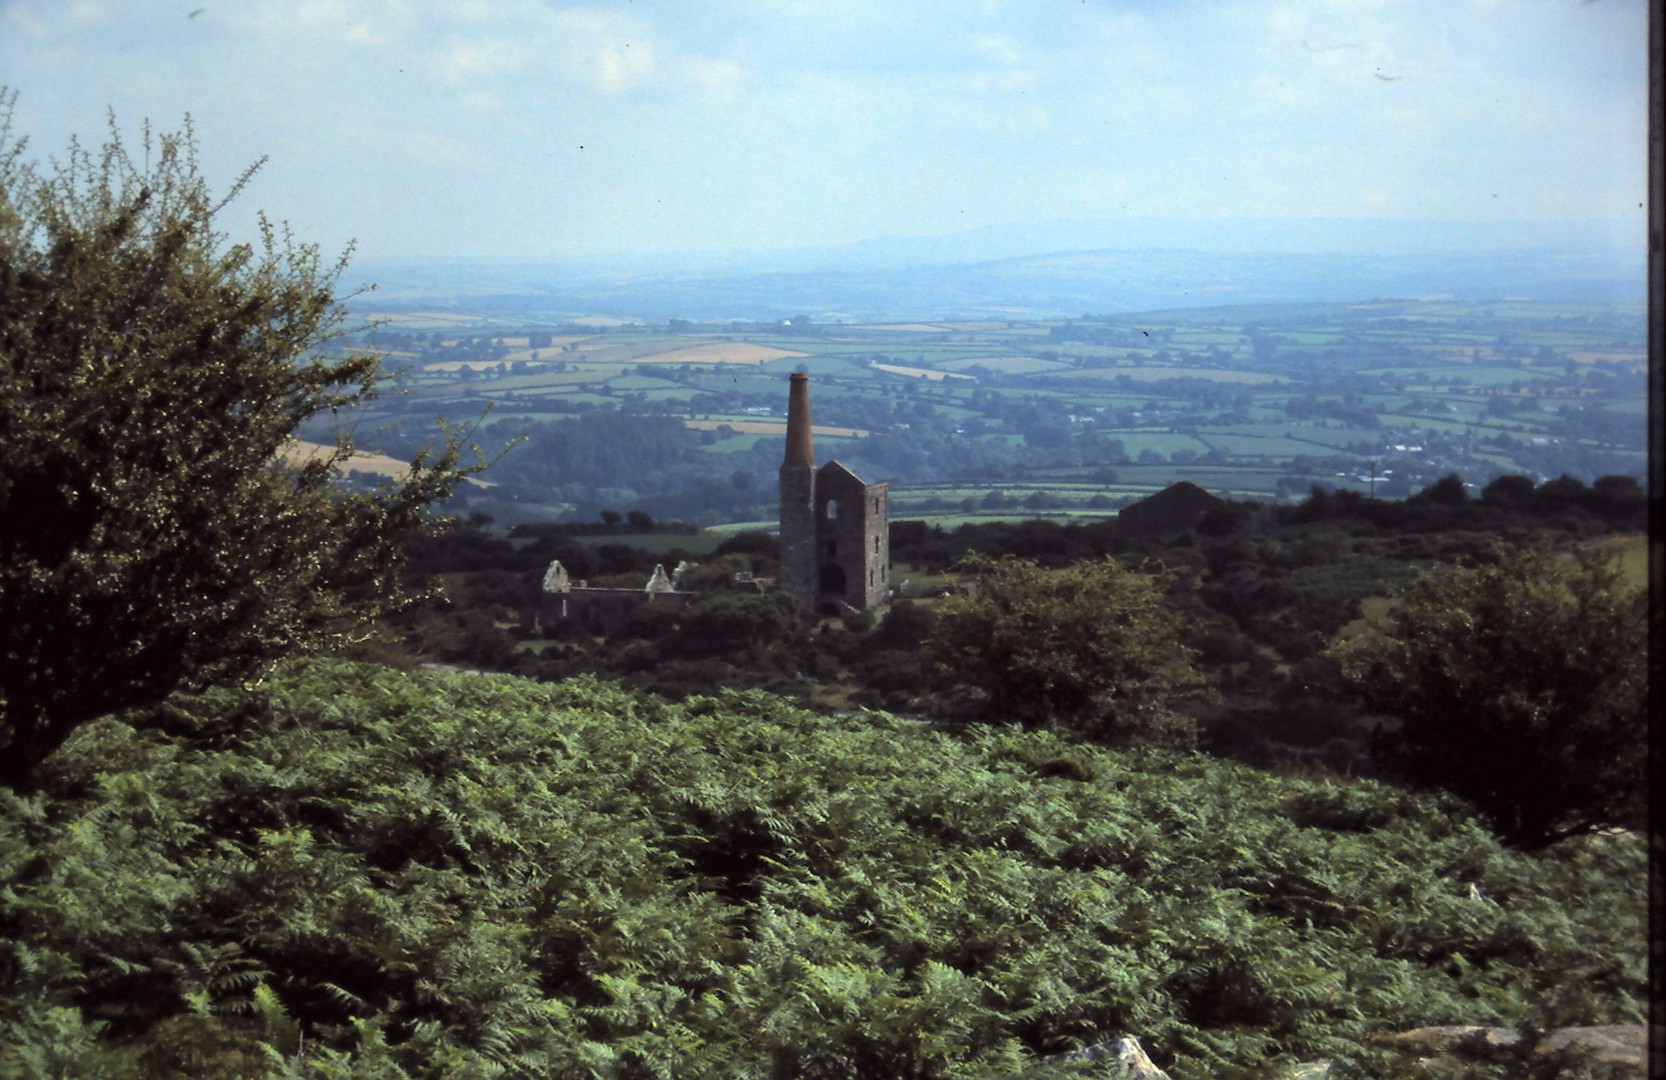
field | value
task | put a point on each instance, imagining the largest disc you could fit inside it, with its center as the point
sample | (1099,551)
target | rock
(1448,1036)
(1624,1044)
(1130,1060)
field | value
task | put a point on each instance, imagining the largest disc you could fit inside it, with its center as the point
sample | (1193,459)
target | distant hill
(1046,271)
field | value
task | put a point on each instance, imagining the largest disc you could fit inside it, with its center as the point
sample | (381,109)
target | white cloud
(715,76)
(466,62)
(748,122)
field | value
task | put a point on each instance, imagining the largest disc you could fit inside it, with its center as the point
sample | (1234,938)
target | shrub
(1094,648)
(1520,686)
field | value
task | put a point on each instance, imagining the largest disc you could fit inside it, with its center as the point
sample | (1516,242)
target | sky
(527,129)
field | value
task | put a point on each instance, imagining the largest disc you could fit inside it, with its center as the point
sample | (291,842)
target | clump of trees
(1521,686)
(1094,648)
(151,374)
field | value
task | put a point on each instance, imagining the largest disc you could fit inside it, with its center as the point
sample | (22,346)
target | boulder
(1626,1044)
(1623,1044)
(1127,1058)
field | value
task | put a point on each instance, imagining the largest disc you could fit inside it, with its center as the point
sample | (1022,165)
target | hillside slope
(427,875)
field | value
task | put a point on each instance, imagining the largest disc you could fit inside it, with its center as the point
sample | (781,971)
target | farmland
(972,419)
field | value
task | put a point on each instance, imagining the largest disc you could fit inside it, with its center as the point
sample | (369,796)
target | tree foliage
(150,374)
(1094,648)
(1521,686)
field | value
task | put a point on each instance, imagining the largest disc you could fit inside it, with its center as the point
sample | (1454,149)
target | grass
(775,427)
(1165,443)
(1156,374)
(1007,365)
(928,374)
(1263,446)
(1632,555)
(732,445)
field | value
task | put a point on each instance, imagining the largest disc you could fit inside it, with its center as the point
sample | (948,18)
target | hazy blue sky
(526,128)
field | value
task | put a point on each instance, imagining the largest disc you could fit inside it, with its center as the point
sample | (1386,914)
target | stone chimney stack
(799,448)
(798,497)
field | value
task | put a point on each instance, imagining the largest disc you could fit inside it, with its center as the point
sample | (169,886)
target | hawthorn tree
(152,535)
(1094,648)
(1520,686)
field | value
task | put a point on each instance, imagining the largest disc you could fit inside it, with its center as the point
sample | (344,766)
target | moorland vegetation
(242,862)
(1261,592)
(354,871)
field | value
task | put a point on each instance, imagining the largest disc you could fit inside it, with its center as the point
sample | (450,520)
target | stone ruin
(835,545)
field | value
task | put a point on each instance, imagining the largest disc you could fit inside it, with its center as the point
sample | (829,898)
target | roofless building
(835,530)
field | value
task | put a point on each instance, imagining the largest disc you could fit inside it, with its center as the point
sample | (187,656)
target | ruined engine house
(835,530)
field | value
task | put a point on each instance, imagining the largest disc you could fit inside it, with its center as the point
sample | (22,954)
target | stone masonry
(835,530)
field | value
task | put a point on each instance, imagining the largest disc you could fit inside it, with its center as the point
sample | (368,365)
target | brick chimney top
(799,450)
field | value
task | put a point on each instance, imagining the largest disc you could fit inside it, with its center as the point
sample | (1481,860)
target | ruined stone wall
(852,539)
(601,611)
(876,543)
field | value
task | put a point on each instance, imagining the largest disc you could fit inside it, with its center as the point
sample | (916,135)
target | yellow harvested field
(927,374)
(1153,374)
(774,427)
(300,451)
(720,352)
(552,351)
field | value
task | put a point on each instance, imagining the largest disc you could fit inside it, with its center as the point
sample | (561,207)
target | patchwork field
(773,427)
(1006,365)
(1154,374)
(919,373)
(1257,401)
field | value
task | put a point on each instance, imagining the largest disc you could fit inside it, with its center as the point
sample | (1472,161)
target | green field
(1268,393)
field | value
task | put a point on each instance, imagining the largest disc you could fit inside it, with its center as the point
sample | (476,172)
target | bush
(1520,686)
(1094,649)
(152,376)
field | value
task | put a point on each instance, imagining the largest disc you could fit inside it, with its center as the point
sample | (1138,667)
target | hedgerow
(356,871)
